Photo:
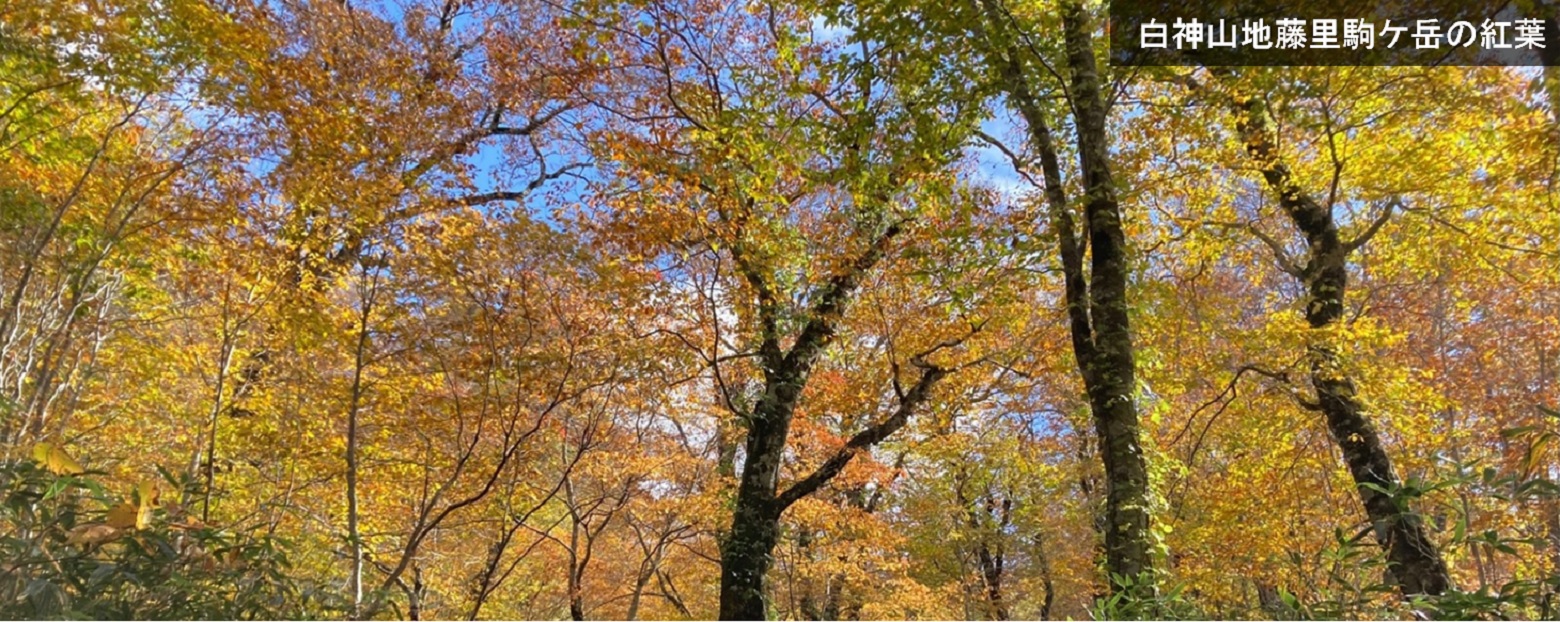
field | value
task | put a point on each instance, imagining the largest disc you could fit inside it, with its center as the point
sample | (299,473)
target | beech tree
(686,309)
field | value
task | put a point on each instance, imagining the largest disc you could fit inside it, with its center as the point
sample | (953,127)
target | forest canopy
(803,309)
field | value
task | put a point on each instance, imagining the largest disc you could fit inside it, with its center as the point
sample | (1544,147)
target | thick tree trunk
(748,551)
(1270,602)
(1112,391)
(1415,562)
(1096,301)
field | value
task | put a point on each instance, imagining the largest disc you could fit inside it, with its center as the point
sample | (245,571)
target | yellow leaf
(56,460)
(146,495)
(122,516)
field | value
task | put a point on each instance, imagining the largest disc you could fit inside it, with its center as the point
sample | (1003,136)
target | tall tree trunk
(576,572)
(224,360)
(988,520)
(1270,602)
(1097,303)
(414,594)
(354,407)
(1415,562)
(640,582)
(1112,392)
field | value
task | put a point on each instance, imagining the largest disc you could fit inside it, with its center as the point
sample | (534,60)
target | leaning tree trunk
(1415,562)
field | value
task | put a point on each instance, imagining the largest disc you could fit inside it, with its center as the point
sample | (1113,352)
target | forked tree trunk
(747,552)
(1097,304)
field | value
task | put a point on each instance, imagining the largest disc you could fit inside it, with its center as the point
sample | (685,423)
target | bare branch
(517,195)
(1375,226)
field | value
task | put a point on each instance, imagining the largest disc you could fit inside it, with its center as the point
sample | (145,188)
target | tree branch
(517,195)
(821,325)
(864,439)
(1375,226)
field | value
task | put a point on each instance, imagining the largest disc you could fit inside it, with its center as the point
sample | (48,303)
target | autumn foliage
(695,309)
